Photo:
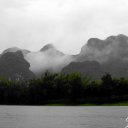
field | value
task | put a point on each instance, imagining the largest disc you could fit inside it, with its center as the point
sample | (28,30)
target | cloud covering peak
(47,59)
(113,47)
(47,47)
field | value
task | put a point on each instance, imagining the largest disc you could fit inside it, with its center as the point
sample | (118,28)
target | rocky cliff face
(14,66)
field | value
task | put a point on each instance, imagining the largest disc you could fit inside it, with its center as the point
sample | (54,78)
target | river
(62,117)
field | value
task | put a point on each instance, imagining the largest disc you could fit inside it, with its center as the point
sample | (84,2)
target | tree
(107,84)
(75,86)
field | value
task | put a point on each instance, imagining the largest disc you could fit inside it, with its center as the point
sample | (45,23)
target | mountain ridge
(99,56)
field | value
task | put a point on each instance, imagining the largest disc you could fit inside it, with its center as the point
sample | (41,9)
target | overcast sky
(68,24)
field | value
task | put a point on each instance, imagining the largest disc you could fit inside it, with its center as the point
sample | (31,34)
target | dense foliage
(63,88)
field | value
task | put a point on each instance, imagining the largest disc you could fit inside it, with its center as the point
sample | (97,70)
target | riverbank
(90,104)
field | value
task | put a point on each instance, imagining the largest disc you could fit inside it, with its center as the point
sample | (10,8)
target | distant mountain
(47,59)
(105,50)
(111,54)
(90,68)
(47,47)
(15,49)
(116,68)
(95,58)
(50,50)
(14,66)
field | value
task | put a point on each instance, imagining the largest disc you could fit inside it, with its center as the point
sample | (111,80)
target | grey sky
(68,24)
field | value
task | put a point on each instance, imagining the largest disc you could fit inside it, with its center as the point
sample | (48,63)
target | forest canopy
(63,88)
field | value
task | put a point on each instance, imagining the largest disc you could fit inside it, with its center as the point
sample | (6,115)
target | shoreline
(63,104)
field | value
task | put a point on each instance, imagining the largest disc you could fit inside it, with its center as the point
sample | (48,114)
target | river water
(62,117)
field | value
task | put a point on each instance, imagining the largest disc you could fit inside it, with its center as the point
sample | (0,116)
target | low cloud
(50,60)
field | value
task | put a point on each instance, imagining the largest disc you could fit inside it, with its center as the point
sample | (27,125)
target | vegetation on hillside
(64,89)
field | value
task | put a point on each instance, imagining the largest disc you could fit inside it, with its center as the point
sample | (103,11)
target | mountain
(50,50)
(95,58)
(116,68)
(14,66)
(90,68)
(15,49)
(47,59)
(111,54)
(47,47)
(105,50)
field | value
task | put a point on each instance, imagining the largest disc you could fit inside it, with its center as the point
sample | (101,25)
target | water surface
(62,117)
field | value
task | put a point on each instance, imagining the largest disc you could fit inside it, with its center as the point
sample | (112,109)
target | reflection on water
(62,117)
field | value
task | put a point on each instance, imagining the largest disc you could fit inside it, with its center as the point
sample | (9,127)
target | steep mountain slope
(90,68)
(14,66)
(111,54)
(105,50)
(95,58)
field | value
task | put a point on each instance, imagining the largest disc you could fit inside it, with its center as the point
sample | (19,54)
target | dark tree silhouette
(63,88)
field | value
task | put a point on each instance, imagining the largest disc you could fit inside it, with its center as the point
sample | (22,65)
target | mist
(49,60)
(111,48)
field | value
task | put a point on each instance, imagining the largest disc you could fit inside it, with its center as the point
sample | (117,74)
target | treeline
(63,88)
